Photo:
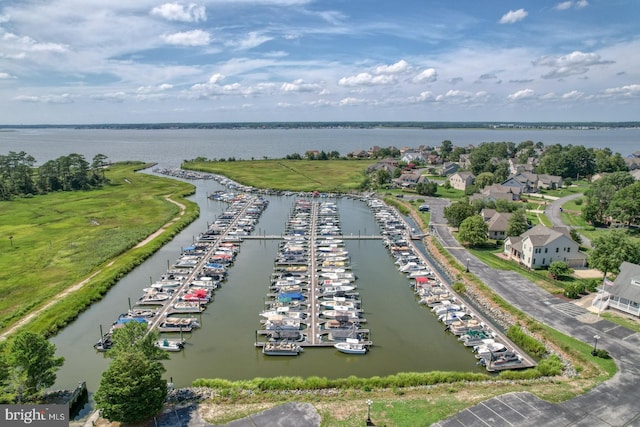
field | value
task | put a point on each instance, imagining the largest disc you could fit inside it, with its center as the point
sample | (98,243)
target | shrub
(525,342)
(578,201)
(459,287)
(603,354)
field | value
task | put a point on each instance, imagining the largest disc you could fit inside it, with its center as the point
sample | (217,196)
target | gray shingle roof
(627,284)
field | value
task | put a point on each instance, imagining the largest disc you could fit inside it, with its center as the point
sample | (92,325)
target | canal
(406,336)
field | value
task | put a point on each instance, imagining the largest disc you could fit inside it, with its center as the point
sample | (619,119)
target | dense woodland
(20,177)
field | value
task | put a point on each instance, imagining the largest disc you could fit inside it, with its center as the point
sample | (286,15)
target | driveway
(553,213)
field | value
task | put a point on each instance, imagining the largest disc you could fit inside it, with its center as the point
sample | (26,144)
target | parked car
(423,208)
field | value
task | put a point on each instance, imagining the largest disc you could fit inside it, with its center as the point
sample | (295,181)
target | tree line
(19,177)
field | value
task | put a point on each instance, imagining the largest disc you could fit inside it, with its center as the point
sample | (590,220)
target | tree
(575,236)
(132,388)
(625,204)
(558,269)
(34,356)
(445,149)
(484,179)
(135,336)
(427,188)
(458,212)
(473,231)
(517,224)
(610,249)
(600,194)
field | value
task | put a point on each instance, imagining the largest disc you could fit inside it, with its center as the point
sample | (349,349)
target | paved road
(553,213)
(613,403)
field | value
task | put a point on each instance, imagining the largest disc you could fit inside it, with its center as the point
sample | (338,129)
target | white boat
(332,314)
(351,346)
(446,307)
(412,266)
(489,349)
(170,345)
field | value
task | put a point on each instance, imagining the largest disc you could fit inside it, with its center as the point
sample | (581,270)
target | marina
(188,285)
(304,294)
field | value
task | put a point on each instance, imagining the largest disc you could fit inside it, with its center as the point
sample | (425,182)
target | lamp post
(595,344)
(369,403)
(468,259)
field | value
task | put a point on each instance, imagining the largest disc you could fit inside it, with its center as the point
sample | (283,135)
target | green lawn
(293,175)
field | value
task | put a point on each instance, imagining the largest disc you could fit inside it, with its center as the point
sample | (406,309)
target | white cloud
(574,94)
(64,98)
(30,45)
(6,76)
(366,79)
(574,63)
(513,16)
(423,97)
(180,12)
(399,67)
(352,101)
(462,97)
(253,39)
(188,38)
(522,95)
(564,5)
(576,4)
(299,86)
(628,91)
(427,75)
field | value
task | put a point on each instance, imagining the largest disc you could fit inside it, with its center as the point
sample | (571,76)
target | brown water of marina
(407,337)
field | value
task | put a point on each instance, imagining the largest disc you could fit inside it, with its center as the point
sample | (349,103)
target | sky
(151,61)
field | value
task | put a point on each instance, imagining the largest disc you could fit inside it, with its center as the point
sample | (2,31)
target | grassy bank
(61,239)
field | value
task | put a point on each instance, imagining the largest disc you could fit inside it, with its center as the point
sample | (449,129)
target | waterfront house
(449,168)
(462,180)
(624,294)
(540,246)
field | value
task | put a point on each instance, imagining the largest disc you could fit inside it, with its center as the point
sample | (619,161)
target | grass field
(294,175)
(61,238)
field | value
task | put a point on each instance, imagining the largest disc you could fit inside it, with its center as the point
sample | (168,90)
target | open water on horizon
(169,147)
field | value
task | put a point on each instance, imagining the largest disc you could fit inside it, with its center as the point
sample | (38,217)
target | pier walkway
(166,308)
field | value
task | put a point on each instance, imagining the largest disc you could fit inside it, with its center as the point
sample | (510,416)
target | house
(412,156)
(449,168)
(515,168)
(411,178)
(462,180)
(497,192)
(540,246)
(624,294)
(548,182)
(497,223)
(636,174)
(529,182)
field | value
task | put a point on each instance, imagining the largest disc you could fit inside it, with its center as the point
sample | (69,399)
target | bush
(578,201)
(459,287)
(525,342)
(603,354)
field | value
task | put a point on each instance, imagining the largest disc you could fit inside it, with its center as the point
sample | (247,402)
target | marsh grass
(62,238)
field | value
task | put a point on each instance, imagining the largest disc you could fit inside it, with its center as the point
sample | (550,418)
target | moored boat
(281,349)
(170,345)
(351,346)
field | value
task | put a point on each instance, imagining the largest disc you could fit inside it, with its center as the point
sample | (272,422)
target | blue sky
(126,61)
